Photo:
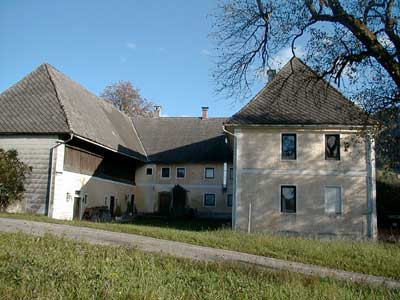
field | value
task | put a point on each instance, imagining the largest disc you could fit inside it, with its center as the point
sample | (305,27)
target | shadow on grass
(183,224)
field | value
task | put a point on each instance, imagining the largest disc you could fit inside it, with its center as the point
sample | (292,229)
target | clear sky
(161,46)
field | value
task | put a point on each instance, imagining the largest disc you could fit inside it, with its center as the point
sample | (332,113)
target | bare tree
(125,97)
(355,40)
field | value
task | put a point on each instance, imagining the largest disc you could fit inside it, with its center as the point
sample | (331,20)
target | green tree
(13,174)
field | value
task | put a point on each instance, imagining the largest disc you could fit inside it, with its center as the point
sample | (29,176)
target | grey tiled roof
(31,106)
(46,101)
(296,96)
(183,139)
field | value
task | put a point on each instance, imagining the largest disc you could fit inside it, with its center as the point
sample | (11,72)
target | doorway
(179,201)
(132,208)
(77,208)
(112,206)
(164,203)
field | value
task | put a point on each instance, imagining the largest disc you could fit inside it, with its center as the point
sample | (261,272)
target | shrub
(12,177)
(118,211)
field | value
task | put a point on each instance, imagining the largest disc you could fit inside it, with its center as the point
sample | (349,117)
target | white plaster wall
(98,190)
(259,173)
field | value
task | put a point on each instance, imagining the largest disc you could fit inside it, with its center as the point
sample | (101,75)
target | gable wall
(34,151)
(260,172)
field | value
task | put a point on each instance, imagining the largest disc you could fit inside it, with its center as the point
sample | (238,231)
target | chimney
(157,111)
(204,112)
(271,74)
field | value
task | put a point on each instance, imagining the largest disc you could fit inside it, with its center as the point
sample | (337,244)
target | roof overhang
(109,148)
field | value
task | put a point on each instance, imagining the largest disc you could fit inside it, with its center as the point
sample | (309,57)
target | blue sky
(161,46)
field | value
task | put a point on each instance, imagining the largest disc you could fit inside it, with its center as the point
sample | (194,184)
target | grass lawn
(55,268)
(376,258)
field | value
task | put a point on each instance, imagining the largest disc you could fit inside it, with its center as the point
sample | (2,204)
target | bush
(12,177)
(118,211)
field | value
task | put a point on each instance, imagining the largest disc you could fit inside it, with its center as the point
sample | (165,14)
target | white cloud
(205,52)
(280,59)
(131,45)
(285,55)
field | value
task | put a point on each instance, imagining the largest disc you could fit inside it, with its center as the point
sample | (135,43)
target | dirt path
(178,249)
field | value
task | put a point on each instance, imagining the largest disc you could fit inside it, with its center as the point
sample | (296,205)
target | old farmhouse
(294,159)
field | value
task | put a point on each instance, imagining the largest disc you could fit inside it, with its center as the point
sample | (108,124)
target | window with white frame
(229,200)
(149,171)
(289,146)
(165,172)
(288,198)
(180,172)
(209,200)
(209,173)
(333,200)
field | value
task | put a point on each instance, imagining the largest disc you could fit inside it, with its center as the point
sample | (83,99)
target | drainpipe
(249,220)
(371,188)
(234,180)
(51,174)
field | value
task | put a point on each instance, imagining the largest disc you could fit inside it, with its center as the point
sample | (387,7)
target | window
(229,200)
(333,200)
(332,147)
(209,200)
(149,171)
(288,199)
(180,172)
(165,172)
(289,146)
(209,173)
(231,173)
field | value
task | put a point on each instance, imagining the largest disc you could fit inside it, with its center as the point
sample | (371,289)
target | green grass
(376,258)
(55,268)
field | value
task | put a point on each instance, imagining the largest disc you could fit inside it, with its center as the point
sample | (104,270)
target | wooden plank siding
(111,166)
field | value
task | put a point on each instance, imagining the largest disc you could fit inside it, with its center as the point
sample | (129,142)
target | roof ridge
(260,91)
(139,138)
(262,107)
(60,102)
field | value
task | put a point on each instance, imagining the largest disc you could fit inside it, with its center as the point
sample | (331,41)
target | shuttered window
(333,200)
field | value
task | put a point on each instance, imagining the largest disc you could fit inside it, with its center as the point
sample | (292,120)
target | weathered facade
(296,159)
(303,164)
(185,149)
(35,151)
(85,153)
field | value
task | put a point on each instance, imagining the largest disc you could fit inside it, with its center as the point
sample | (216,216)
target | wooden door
(164,203)
(112,204)
(77,208)
(133,210)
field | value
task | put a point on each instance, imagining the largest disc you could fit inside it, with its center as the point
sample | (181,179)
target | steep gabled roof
(47,101)
(31,106)
(297,96)
(183,139)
